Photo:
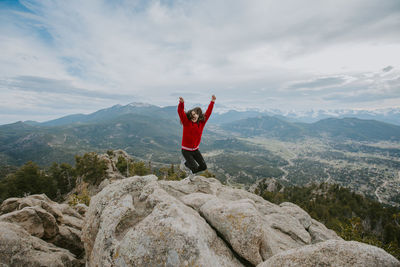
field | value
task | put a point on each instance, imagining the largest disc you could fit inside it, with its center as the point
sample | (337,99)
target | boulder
(319,232)
(297,212)
(143,221)
(20,248)
(335,253)
(134,222)
(35,220)
(54,223)
(81,209)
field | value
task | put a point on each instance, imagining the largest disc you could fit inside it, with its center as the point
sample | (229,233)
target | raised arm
(181,111)
(210,108)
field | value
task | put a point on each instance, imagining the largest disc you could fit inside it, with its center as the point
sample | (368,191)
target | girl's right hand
(181,99)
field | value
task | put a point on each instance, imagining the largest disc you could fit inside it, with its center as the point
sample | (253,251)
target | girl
(193,123)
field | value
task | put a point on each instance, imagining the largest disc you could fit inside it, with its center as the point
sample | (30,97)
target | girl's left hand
(213,98)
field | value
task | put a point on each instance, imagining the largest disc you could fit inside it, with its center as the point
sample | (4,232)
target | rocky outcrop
(142,221)
(135,222)
(111,160)
(333,253)
(266,184)
(46,226)
(19,248)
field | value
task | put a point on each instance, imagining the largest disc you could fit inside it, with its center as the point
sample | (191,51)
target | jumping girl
(193,123)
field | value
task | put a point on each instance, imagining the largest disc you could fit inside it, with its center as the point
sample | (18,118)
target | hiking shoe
(182,166)
(191,176)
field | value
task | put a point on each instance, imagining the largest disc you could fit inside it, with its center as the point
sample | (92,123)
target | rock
(297,212)
(111,162)
(284,232)
(121,230)
(141,221)
(69,238)
(320,233)
(240,224)
(43,218)
(103,184)
(81,209)
(68,210)
(19,248)
(273,230)
(35,220)
(338,253)
(12,204)
(268,184)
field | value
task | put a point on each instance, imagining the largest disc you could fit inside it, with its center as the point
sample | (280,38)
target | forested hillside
(351,215)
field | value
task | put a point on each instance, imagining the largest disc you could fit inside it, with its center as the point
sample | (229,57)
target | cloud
(318,83)
(387,69)
(53,86)
(245,52)
(367,90)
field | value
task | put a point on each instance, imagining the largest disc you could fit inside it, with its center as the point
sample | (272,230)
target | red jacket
(192,131)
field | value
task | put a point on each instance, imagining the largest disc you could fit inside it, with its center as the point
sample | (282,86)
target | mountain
(346,128)
(389,115)
(141,134)
(356,129)
(105,114)
(346,151)
(223,114)
(233,115)
(168,112)
(154,133)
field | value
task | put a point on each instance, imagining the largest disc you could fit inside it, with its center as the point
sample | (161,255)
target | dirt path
(228,179)
(285,172)
(377,189)
(383,186)
(329,176)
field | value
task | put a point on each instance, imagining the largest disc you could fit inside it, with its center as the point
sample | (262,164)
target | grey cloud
(46,85)
(368,94)
(387,69)
(166,51)
(363,90)
(318,83)
(365,97)
(312,29)
(185,94)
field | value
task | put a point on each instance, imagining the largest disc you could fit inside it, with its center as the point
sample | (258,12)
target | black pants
(194,160)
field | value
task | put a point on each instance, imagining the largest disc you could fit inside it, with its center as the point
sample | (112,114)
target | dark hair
(198,111)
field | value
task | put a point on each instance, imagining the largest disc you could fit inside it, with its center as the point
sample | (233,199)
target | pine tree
(91,168)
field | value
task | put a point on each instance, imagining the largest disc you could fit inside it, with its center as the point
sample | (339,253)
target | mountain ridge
(119,127)
(350,128)
(224,114)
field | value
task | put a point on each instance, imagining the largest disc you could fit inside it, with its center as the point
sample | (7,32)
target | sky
(65,57)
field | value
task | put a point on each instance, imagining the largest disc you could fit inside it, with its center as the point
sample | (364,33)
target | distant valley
(239,147)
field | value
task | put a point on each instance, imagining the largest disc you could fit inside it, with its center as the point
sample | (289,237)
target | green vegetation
(140,168)
(170,173)
(64,176)
(208,174)
(82,198)
(60,179)
(247,167)
(28,179)
(351,215)
(91,168)
(55,181)
(5,170)
(122,164)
